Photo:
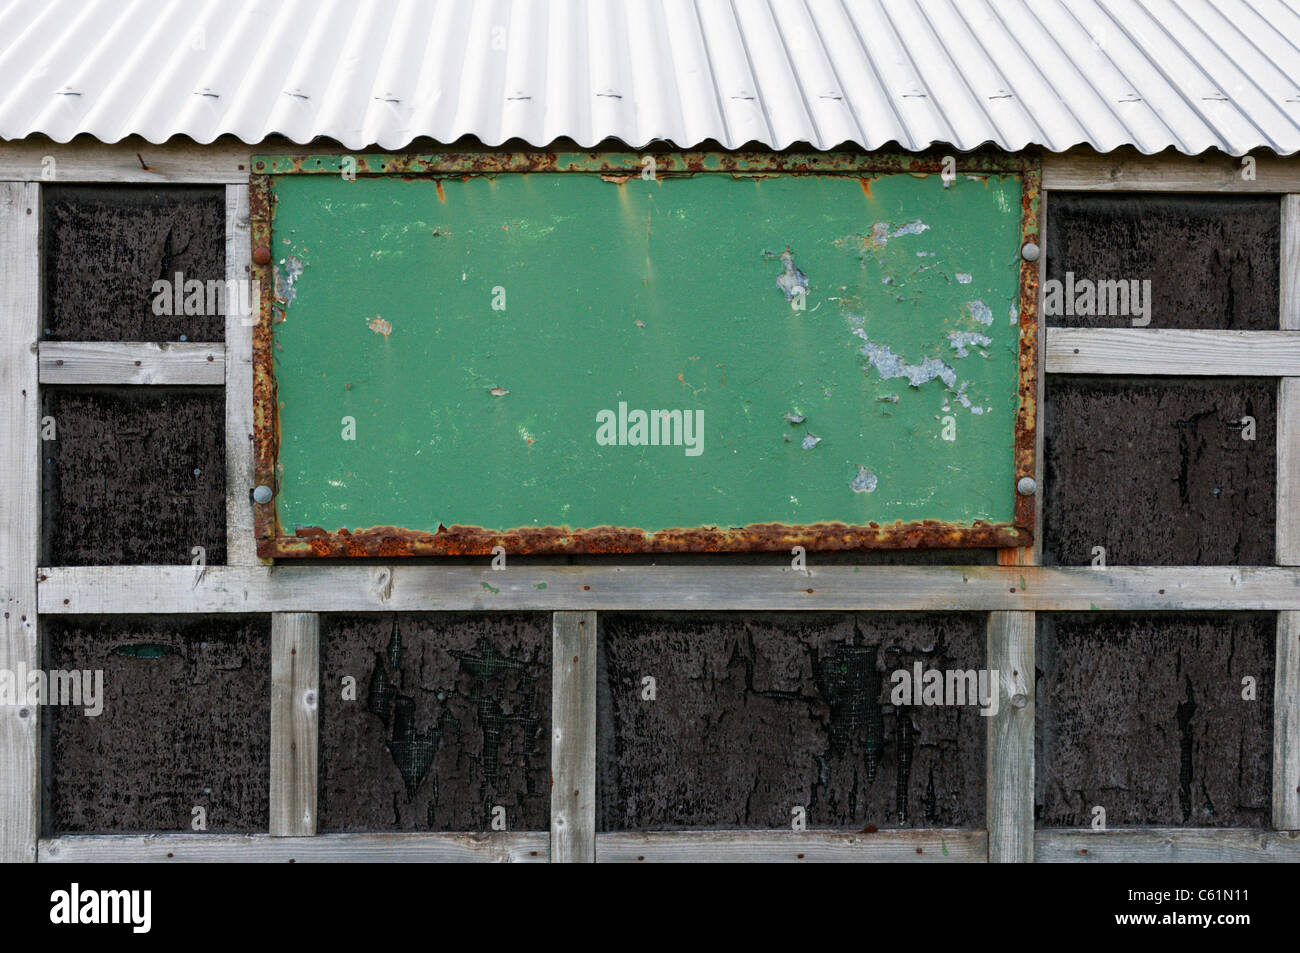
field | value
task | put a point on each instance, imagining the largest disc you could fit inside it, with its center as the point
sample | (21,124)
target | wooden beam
(115,362)
(883,847)
(1286,724)
(134,159)
(1127,170)
(241,547)
(498,847)
(1133,351)
(573,738)
(295,687)
(95,590)
(20,506)
(1009,777)
(1290,277)
(1166,845)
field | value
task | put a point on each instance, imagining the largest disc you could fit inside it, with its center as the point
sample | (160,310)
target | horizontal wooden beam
(1127,170)
(731,847)
(1166,845)
(117,362)
(503,847)
(1133,351)
(92,590)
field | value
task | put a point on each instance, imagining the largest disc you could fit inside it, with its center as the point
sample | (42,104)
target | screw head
(1026,486)
(262,255)
(1019,701)
(1030,252)
(262,494)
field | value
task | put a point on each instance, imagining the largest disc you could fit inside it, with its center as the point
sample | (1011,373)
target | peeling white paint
(864,482)
(980,312)
(960,339)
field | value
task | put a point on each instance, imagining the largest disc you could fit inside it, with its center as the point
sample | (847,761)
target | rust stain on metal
(533,540)
(442,195)
(380,326)
(1027,412)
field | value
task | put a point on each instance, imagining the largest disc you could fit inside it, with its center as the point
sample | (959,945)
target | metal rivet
(1026,486)
(262,255)
(1019,701)
(262,494)
(1029,252)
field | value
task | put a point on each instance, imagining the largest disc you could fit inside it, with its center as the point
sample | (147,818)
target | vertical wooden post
(1009,803)
(1286,674)
(573,738)
(295,686)
(241,548)
(1009,772)
(19,513)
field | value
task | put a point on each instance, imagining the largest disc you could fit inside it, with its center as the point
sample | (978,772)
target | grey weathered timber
(20,506)
(496,847)
(1010,796)
(1163,351)
(295,684)
(573,738)
(882,847)
(91,590)
(1165,845)
(117,362)
(241,548)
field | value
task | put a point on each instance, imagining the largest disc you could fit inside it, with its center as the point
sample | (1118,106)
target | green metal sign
(614,354)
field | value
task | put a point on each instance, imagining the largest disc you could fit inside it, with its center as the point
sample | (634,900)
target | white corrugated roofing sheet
(1154,74)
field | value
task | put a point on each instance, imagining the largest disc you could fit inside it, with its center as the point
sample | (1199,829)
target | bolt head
(1019,701)
(1030,252)
(262,255)
(1026,486)
(262,494)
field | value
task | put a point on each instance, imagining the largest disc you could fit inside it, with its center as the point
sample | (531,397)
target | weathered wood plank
(20,503)
(900,846)
(497,847)
(1286,724)
(1290,283)
(1135,351)
(1009,810)
(115,362)
(295,683)
(1166,845)
(134,159)
(149,589)
(241,547)
(573,738)
(1127,170)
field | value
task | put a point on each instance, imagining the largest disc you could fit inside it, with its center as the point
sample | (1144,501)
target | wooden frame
(1010,592)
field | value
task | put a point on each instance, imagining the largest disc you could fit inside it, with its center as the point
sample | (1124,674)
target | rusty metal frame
(388,541)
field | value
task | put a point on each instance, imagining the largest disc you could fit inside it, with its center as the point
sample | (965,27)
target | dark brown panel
(451,717)
(105,246)
(1213,261)
(757,714)
(1156,471)
(135,476)
(186,722)
(1143,715)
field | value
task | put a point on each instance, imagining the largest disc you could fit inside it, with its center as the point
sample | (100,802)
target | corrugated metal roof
(1191,74)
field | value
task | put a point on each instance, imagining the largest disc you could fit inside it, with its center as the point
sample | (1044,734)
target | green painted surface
(661,295)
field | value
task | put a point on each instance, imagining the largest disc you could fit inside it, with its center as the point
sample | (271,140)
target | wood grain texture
(1289,289)
(115,362)
(1127,170)
(241,548)
(152,589)
(573,738)
(19,513)
(1286,724)
(1137,351)
(500,847)
(1010,777)
(295,685)
(915,846)
(1165,845)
